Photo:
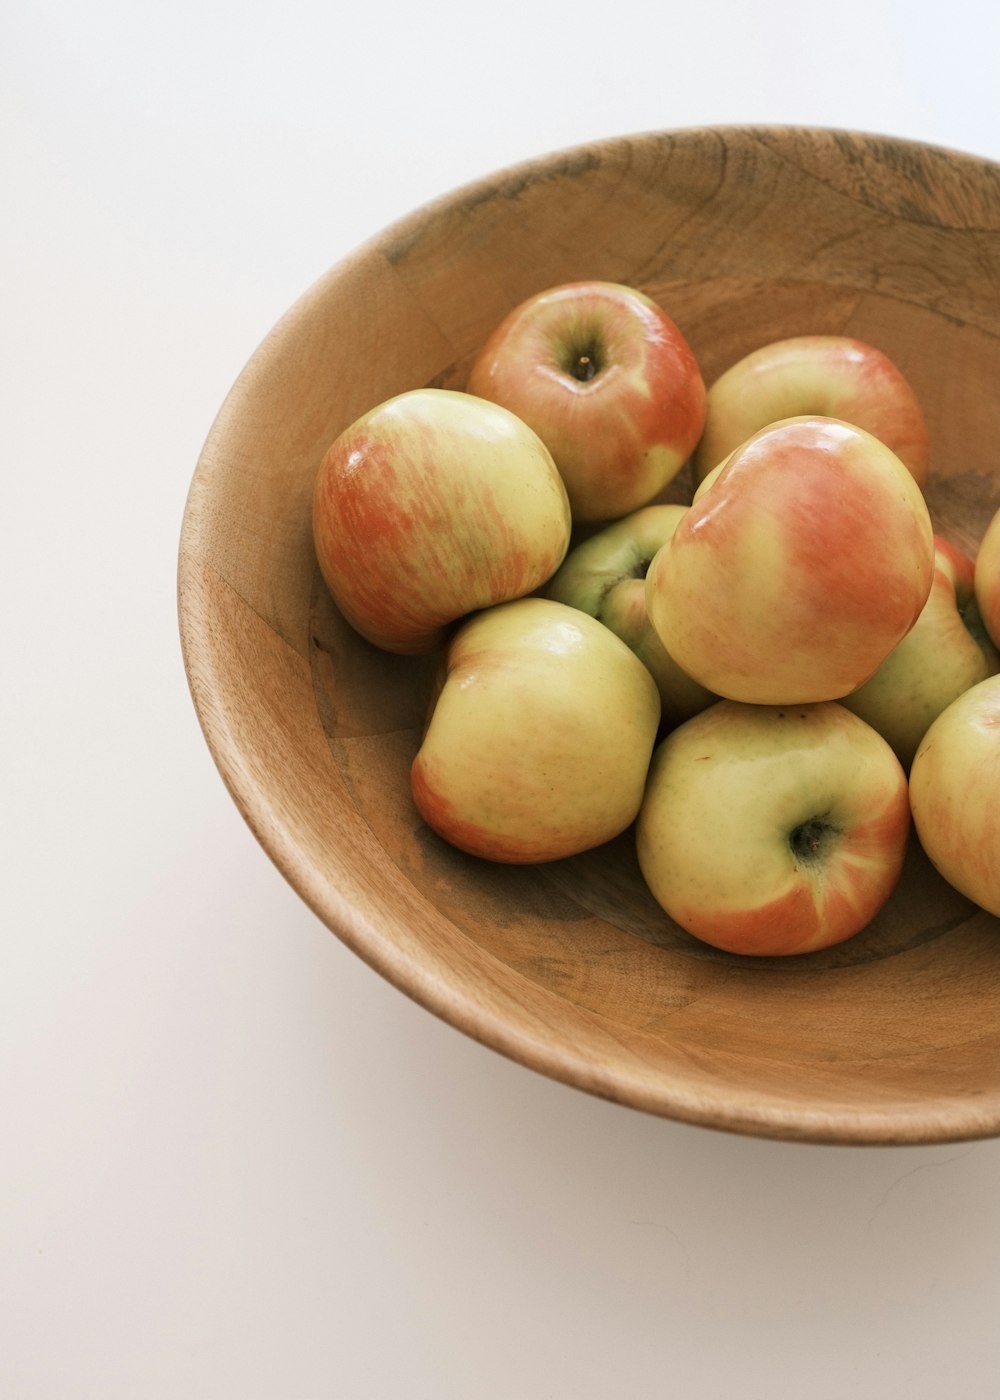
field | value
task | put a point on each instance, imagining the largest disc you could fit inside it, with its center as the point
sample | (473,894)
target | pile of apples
(769,681)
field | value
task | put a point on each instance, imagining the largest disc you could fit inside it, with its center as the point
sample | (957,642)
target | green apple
(539,738)
(955,793)
(430,506)
(605,576)
(946,651)
(773,830)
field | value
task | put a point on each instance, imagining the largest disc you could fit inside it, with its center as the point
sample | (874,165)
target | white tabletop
(201,1196)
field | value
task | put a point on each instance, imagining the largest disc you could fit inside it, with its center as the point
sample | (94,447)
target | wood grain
(743,235)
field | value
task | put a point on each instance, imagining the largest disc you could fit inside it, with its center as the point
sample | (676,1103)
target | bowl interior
(744,236)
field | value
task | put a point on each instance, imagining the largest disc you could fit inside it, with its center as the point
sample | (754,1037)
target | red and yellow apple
(955,793)
(773,830)
(539,739)
(430,506)
(987,578)
(806,556)
(946,651)
(605,576)
(833,376)
(607,381)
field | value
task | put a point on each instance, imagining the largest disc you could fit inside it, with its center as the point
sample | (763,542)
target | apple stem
(585,368)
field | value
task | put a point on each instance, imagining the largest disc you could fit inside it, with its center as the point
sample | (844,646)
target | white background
(236,1164)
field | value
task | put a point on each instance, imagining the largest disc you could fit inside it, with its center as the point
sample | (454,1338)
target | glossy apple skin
(832,376)
(620,436)
(987,578)
(430,506)
(773,830)
(802,562)
(945,653)
(605,576)
(955,793)
(539,739)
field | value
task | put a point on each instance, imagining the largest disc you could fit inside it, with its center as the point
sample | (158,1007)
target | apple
(773,830)
(946,651)
(608,382)
(540,735)
(800,565)
(430,506)
(955,793)
(987,578)
(834,376)
(605,576)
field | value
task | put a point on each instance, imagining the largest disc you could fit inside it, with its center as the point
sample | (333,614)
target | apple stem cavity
(808,840)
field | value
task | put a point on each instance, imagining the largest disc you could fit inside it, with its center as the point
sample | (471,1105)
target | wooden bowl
(744,235)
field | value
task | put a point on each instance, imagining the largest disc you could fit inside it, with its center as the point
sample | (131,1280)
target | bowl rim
(481,1020)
